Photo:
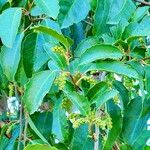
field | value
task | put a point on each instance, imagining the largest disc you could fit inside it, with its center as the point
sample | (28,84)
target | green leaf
(133,123)
(123,92)
(10,58)
(100,87)
(15,134)
(57,58)
(119,10)
(78,33)
(85,44)
(40,85)
(80,101)
(4,141)
(34,55)
(138,67)
(34,128)
(118,29)
(39,147)
(107,38)
(2,3)
(147,77)
(140,13)
(36,11)
(102,97)
(19,3)
(98,52)
(29,48)
(93,4)
(40,56)
(101,17)
(59,126)
(137,29)
(53,33)
(111,66)
(140,143)
(53,25)
(138,52)
(146,106)
(69,12)
(109,13)
(52,65)
(20,76)
(115,113)
(50,8)
(3,79)
(44,128)
(9,24)
(73,66)
(81,139)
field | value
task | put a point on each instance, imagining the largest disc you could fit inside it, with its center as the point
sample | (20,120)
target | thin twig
(30,4)
(25,130)
(20,118)
(146,58)
(143,2)
(117,146)
(76,88)
(89,23)
(20,132)
(38,19)
(28,27)
(98,113)
(97,132)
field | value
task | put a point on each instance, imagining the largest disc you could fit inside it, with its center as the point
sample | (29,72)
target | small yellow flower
(59,49)
(60,81)
(90,79)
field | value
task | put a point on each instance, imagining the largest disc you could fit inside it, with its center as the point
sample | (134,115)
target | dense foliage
(74,74)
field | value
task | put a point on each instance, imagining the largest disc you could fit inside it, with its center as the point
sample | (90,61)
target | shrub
(74,74)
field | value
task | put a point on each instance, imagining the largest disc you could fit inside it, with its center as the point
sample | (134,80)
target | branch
(97,132)
(143,2)
(98,114)
(87,22)
(28,27)
(25,129)
(20,118)
(146,58)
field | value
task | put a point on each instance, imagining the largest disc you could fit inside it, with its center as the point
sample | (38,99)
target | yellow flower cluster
(94,71)
(116,100)
(104,122)
(11,89)
(59,49)
(60,81)
(128,82)
(66,104)
(90,79)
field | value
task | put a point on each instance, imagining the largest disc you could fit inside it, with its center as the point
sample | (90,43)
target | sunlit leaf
(9,24)
(40,85)
(50,8)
